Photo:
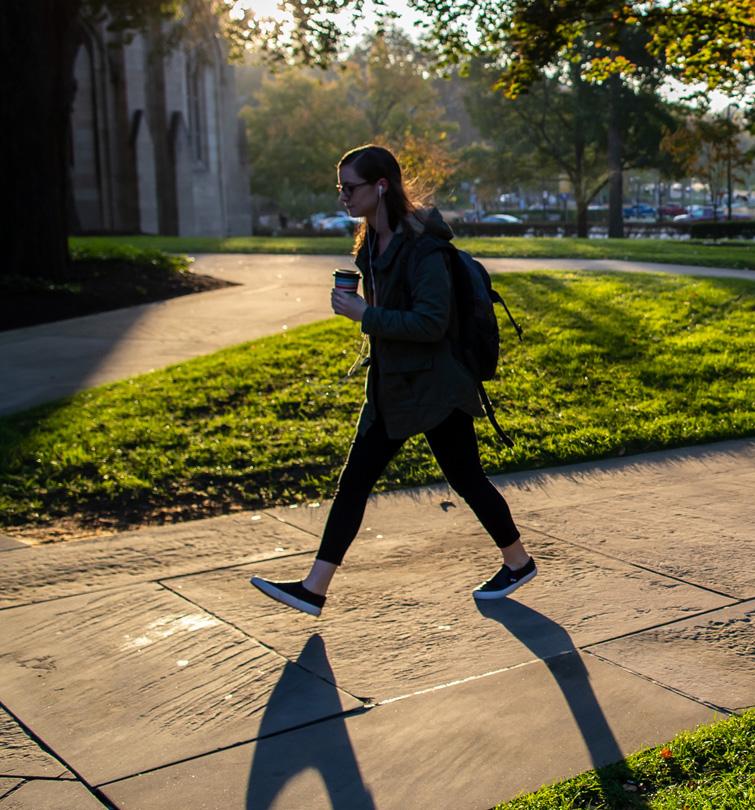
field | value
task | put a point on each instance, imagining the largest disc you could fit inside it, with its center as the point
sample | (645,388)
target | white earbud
(380,191)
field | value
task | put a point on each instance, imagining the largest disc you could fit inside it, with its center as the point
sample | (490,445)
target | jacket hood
(429,221)
(423,221)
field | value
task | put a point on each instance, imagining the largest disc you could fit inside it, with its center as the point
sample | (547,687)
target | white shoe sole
(281,596)
(507,590)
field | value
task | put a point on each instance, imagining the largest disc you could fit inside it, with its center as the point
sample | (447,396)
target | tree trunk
(578,184)
(615,148)
(578,177)
(38,42)
(582,227)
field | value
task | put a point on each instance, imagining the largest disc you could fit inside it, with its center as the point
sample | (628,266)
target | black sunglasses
(348,188)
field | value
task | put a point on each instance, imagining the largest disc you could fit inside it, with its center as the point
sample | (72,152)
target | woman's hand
(349,304)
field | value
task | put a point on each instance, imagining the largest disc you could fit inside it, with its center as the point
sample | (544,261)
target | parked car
(504,219)
(337,225)
(671,210)
(697,212)
(316,219)
(639,211)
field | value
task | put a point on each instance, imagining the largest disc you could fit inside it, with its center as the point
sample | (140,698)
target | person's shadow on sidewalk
(324,748)
(554,647)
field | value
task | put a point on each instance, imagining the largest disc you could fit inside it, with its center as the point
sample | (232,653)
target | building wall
(85,169)
(155,146)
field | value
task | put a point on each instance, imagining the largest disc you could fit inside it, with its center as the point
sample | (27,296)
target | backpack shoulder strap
(490,413)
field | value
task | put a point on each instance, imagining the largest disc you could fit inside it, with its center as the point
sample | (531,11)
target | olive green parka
(414,379)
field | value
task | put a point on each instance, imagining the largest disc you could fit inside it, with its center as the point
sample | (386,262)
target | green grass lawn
(711,768)
(611,365)
(731,254)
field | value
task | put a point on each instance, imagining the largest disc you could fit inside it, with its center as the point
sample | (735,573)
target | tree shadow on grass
(554,647)
(323,747)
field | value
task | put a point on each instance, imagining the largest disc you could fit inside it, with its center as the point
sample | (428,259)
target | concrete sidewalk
(143,671)
(45,362)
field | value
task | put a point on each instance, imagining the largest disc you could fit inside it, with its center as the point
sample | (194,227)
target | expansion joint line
(667,687)
(261,739)
(153,580)
(160,580)
(94,790)
(668,623)
(292,525)
(365,701)
(615,557)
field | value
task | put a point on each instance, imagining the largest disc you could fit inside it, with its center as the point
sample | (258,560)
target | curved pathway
(41,363)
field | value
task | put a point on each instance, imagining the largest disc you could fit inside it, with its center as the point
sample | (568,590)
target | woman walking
(415,383)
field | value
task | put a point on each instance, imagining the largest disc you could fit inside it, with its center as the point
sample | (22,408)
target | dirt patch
(85,526)
(95,286)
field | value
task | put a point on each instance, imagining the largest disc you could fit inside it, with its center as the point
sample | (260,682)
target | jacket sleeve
(427,320)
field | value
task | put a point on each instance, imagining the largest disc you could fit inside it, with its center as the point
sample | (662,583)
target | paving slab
(10,544)
(571,485)
(408,601)
(45,794)
(710,658)
(691,530)
(576,484)
(469,746)
(389,515)
(64,569)
(130,679)
(21,756)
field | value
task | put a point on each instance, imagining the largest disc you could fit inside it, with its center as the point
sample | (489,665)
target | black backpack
(479,339)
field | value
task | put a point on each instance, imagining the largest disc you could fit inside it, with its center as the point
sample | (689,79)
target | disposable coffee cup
(346,280)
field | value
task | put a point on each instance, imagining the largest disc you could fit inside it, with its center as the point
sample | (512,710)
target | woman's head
(369,182)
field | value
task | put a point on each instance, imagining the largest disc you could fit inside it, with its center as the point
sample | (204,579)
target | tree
(39,40)
(301,121)
(694,41)
(711,148)
(401,105)
(708,41)
(38,46)
(554,127)
(632,42)
(563,123)
(485,169)
(297,128)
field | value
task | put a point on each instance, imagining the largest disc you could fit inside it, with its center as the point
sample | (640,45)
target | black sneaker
(505,581)
(293,594)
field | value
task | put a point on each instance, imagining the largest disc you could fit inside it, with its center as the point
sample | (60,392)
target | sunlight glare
(270,9)
(263,8)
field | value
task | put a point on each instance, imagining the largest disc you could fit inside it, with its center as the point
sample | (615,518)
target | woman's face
(357,195)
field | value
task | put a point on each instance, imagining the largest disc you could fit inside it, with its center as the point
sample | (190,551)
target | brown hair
(371,163)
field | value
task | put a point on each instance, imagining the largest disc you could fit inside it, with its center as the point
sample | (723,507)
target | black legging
(454,445)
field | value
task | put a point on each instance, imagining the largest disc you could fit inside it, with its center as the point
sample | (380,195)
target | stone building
(157,145)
